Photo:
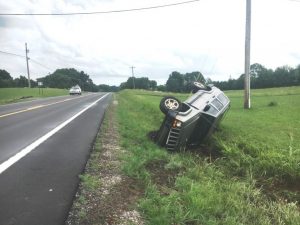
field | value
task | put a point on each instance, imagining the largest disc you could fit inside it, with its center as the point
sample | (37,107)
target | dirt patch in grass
(14,100)
(105,194)
(161,176)
(24,97)
(211,152)
(118,206)
(292,186)
(277,190)
(152,135)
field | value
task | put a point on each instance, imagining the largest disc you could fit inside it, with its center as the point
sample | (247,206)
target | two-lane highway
(44,145)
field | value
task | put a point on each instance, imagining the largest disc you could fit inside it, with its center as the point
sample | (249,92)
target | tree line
(7,81)
(139,83)
(61,78)
(260,76)
(66,78)
(178,82)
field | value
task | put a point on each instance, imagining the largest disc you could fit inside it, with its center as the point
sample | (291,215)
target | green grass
(251,176)
(9,95)
(264,139)
(90,182)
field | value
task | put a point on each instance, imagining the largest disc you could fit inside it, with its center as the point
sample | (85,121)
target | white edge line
(12,160)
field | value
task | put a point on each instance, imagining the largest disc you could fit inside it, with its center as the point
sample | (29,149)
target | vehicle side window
(223,98)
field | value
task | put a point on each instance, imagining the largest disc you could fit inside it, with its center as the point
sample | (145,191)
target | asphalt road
(44,146)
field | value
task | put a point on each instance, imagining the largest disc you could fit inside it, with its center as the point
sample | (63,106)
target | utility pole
(132,67)
(27,58)
(247,103)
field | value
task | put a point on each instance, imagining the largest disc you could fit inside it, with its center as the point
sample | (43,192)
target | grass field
(248,172)
(10,95)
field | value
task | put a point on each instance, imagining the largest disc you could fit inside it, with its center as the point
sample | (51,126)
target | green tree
(139,83)
(175,83)
(261,77)
(21,82)
(161,88)
(107,88)
(190,78)
(66,78)
(142,83)
(153,85)
(282,76)
(5,79)
(296,75)
(178,82)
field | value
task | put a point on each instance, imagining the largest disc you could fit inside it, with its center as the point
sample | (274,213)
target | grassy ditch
(248,173)
(10,95)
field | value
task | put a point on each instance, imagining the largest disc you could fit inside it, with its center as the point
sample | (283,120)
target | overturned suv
(191,122)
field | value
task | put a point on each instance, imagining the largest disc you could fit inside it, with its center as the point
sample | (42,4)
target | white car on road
(76,90)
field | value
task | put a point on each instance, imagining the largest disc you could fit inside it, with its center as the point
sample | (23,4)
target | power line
(9,53)
(98,12)
(22,56)
(34,61)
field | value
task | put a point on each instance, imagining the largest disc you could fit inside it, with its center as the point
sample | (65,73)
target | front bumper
(191,133)
(174,137)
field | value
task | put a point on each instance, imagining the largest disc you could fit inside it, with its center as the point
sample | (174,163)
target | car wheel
(169,103)
(198,86)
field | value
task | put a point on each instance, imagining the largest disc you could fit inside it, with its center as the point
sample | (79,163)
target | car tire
(198,86)
(169,103)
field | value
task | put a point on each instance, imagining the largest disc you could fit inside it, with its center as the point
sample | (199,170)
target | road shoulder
(105,195)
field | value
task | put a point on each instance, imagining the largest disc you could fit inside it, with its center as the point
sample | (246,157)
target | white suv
(191,122)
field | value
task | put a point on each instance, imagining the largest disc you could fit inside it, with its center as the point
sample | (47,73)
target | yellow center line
(24,110)
(36,107)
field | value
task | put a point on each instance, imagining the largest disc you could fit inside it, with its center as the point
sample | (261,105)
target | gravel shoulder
(105,195)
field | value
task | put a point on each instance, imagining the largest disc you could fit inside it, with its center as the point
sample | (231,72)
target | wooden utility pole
(247,103)
(132,67)
(27,58)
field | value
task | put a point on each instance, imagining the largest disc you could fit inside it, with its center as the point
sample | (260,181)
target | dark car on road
(191,122)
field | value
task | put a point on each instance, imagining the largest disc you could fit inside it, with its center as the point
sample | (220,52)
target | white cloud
(207,36)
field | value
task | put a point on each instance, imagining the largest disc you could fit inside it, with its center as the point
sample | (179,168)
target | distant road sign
(40,83)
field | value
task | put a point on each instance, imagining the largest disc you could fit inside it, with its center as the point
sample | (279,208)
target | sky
(206,36)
